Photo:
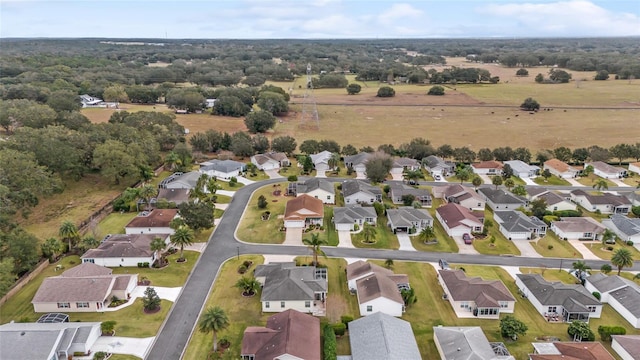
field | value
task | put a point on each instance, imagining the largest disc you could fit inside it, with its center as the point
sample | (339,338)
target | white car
(437,177)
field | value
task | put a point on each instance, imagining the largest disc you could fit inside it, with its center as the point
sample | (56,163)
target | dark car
(444,265)
(467,239)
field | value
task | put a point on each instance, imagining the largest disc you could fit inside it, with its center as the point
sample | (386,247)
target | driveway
(225,192)
(164,293)
(464,248)
(574,182)
(397,176)
(486,179)
(582,249)
(526,249)
(405,242)
(244,180)
(619,182)
(344,238)
(273,174)
(529,181)
(321,174)
(123,345)
(361,175)
(268,259)
(293,236)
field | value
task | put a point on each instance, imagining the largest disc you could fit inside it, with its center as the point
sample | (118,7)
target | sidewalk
(619,182)
(582,249)
(123,345)
(529,181)
(165,293)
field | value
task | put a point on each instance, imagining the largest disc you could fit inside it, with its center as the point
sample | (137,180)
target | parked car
(467,239)
(437,177)
(444,265)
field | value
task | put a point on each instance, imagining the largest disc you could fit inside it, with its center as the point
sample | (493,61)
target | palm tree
(427,234)
(463,174)
(622,258)
(607,236)
(69,231)
(213,320)
(200,190)
(588,170)
(408,296)
(157,245)
(333,161)
(182,237)
(172,160)
(146,193)
(413,175)
(176,223)
(89,242)
(51,248)
(601,184)
(248,285)
(497,181)
(369,233)
(509,183)
(314,244)
(581,269)
(388,263)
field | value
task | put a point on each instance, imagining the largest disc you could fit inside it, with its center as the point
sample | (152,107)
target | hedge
(330,346)
(606,331)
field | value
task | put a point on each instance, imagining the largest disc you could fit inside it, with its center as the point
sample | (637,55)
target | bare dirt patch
(452,97)
(336,307)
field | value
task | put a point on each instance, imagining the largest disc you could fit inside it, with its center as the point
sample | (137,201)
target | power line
(309,106)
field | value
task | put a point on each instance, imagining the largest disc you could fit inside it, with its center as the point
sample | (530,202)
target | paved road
(174,334)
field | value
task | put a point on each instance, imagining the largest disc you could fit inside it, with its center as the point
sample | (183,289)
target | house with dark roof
(315,187)
(473,297)
(408,220)
(377,288)
(176,196)
(498,199)
(561,169)
(556,202)
(398,192)
(557,301)
(84,288)
(357,162)
(222,169)
(288,335)
(360,192)
(124,250)
(461,195)
(457,220)
(491,168)
(607,171)
(346,218)
(287,286)
(582,350)
(155,221)
(606,203)
(626,346)
(402,164)
(623,295)
(515,225)
(467,342)
(627,229)
(270,160)
(50,341)
(523,170)
(382,337)
(578,228)
(303,211)
(321,160)
(438,166)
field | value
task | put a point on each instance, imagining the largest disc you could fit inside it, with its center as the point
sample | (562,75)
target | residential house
(556,202)
(270,160)
(523,170)
(438,166)
(315,187)
(461,195)
(407,219)
(357,162)
(287,286)
(498,199)
(607,171)
(633,196)
(490,168)
(534,191)
(382,337)
(223,169)
(400,165)
(634,167)
(515,225)
(399,191)
(176,196)
(467,342)
(210,103)
(303,211)
(475,297)
(321,160)
(84,288)
(48,341)
(124,250)
(626,346)
(557,301)
(377,288)
(288,335)
(581,350)
(346,218)
(606,203)
(360,192)
(622,294)
(89,101)
(578,228)
(626,228)
(156,221)
(180,180)
(457,220)
(561,169)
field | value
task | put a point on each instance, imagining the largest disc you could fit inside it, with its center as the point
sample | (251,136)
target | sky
(314,19)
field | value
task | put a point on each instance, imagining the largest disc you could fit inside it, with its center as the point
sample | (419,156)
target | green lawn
(173,275)
(223,199)
(123,357)
(385,239)
(516,180)
(252,228)
(601,250)
(161,176)
(553,180)
(553,274)
(224,185)
(114,223)
(445,242)
(260,175)
(561,248)
(591,179)
(501,246)
(330,233)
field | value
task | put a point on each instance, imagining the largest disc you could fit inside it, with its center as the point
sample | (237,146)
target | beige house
(377,288)
(561,169)
(152,222)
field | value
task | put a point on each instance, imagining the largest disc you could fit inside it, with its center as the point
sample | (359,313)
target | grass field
(553,180)
(384,238)
(591,180)
(552,274)
(501,245)
(600,251)
(114,223)
(252,228)
(560,248)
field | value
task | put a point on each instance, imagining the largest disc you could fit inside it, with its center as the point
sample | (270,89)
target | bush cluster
(606,331)
(330,346)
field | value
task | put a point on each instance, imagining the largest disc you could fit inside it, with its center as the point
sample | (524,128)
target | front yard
(553,180)
(551,246)
(384,238)
(501,245)
(591,179)
(252,228)
(603,252)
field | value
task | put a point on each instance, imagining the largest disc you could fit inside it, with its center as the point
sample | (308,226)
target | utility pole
(309,106)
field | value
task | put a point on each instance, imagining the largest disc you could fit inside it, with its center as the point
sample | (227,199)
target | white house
(577,228)
(155,221)
(209,103)
(523,170)
(403,164)
(627,229)
(498,199)
(515,225)
(360,192)
(321,160)
(398,193)
(487,168)
(626,346)
(223,169)
(461,195)
(634,167)
(407,219)
(346,218)
(357,162)
(606,203)
(623,295)
(607,171)
(381,336)
(317,188)
(270,161)
(457,220)
(561,169)
(124,250)
(438,166)
(556,202)
(180,180)
(377,288)
(89,101)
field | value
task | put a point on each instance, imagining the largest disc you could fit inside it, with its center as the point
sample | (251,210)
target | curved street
(173,337)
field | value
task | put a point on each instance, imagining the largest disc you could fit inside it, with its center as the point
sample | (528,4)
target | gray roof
(556,293)
(285,281)
(350,187)
(464,343)
(516,221)
(124,245)
(185,181)
(224,166)
(521,166)
(603,199)
(348,215)
(399,190)
(605,283)
(405,162)
(579,224)
(536,190)
(433,161)
(604,167)
(404,216)
(629,298)
(20,341)
(501,196)
(552,198)
(630,343)
(314,184)
(382,337)
(321,157)
(626,225)
(357,159)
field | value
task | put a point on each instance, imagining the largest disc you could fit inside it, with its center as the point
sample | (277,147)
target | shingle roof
(629,298)
(433,161)
(576,351)
(552,198)
(559,165)
(186,180)
(579,224)
(630,343)
(463,288)
(602,199)
(348,215)
(521,166)
(275,156)
(360,268)
(491,164)
(606,168)
(289,332)
(382,337)
(399,190)
(626,225)
(321,157)
(375,286)
(454,215)
(350,187)
(124,245)
(302,207)
(223,166)
(87,269)
(556,293)
(358,159)
(314,184)
(405,216)
(501,197)
(464,343)
(154,218)
(174,195)
(64,289)
(284,282)
(405,162)
(516,221)
(534,191)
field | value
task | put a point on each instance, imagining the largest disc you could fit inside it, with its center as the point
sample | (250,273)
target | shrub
(330,346)
(346,319)
(339,328)
(630,243)
(606,268)
(596,295)
(606,331)
(530,104)
(292,178)
(262,202)
(353,89)
(548,219)
(581,330)
(100,355)
(233,181)
(386,91)
(550,247)
(436,90)
(610,248)
(356,227)
(247,263)
(567,213)
(522,72)
(242,269)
